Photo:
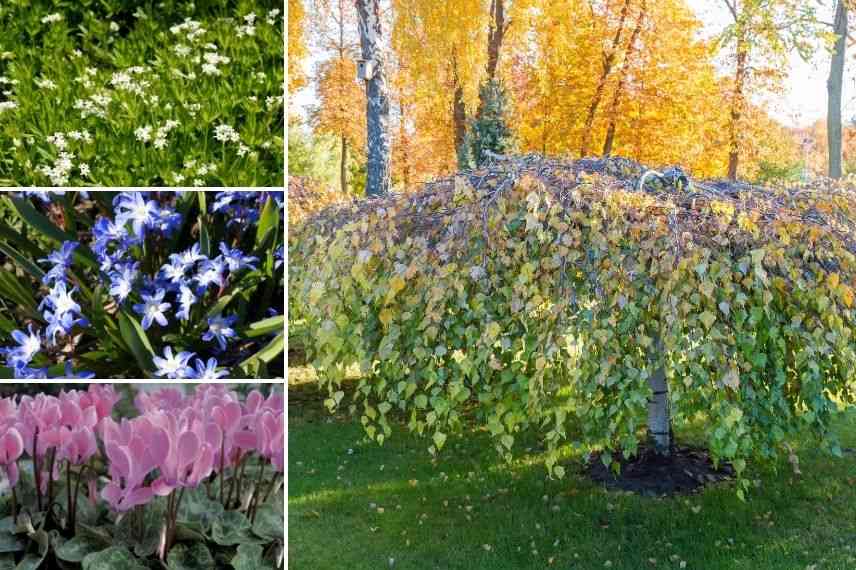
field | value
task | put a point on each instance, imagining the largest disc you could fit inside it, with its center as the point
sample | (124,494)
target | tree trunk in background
(495,35)
(459,119)
(737,109)
(608,60)
(377,100)
(629,52)
(343,167)
(834,88)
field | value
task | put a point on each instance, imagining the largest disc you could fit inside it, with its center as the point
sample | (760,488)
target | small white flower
(177,177)
(225,133)
(84,169)
(271,16)
(51,18)
(243,149)
(209,69)
(58,140)
(143,134)
(44,83)
(114,27)
(7,105)
(160,143)
(181,50)
(198,182)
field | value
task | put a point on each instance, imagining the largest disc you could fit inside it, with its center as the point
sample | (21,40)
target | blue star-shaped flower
(152,309)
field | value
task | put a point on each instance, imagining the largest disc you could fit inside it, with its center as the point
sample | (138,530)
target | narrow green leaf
(204,234)
(270,351)
(47,228)
(12,288)
(268,223)
(29,214)
(265,326)
(21,243)
(22,261)
(137,340)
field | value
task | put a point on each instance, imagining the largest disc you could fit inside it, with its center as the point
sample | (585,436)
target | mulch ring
(686,470)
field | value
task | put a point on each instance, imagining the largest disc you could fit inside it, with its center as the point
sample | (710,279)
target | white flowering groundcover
(142,284)
(141,93)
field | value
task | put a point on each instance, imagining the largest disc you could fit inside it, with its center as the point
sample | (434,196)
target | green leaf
(249,557)
(111,559)
(47,228)
(12,288)
(193,557)
(143,537)
(265,326)
(137,340)
(269,522)
(204,235)
(232,528)
(78,547)
(197,510)
(22,261)
(30,562)
(268,223)
(10,543)
(265,355)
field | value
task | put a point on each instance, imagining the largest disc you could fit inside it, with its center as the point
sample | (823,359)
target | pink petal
(188,449)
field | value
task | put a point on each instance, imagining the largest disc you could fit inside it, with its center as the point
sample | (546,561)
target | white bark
(377,100)
(659,418)
(834,86)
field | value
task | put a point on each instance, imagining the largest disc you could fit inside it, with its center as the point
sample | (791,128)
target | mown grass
(353,504)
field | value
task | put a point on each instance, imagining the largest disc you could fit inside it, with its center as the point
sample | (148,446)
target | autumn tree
(760,36)
(441,47)
(296,45)
(334,33)
(489,130)
(835,87)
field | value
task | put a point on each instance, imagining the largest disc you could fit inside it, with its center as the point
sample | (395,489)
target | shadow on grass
(356,505)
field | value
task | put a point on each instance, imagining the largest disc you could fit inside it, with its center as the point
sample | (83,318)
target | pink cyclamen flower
(188,449)
(11,448)
(77,445)
(134,448)
(163,399)
(39,420)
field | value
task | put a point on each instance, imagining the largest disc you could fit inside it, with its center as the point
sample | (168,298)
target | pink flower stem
(222,467)
(271,487)
(251,509)
(68,495)
(36,474)
(233,482)
(50,477)
(14,506)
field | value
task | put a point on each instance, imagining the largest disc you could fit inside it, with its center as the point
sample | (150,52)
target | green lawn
(355,505)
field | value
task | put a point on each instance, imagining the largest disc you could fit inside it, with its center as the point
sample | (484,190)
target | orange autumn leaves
(660,100)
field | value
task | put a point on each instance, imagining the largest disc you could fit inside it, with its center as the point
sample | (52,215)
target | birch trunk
(377,100)
(834,88)
(659,417)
